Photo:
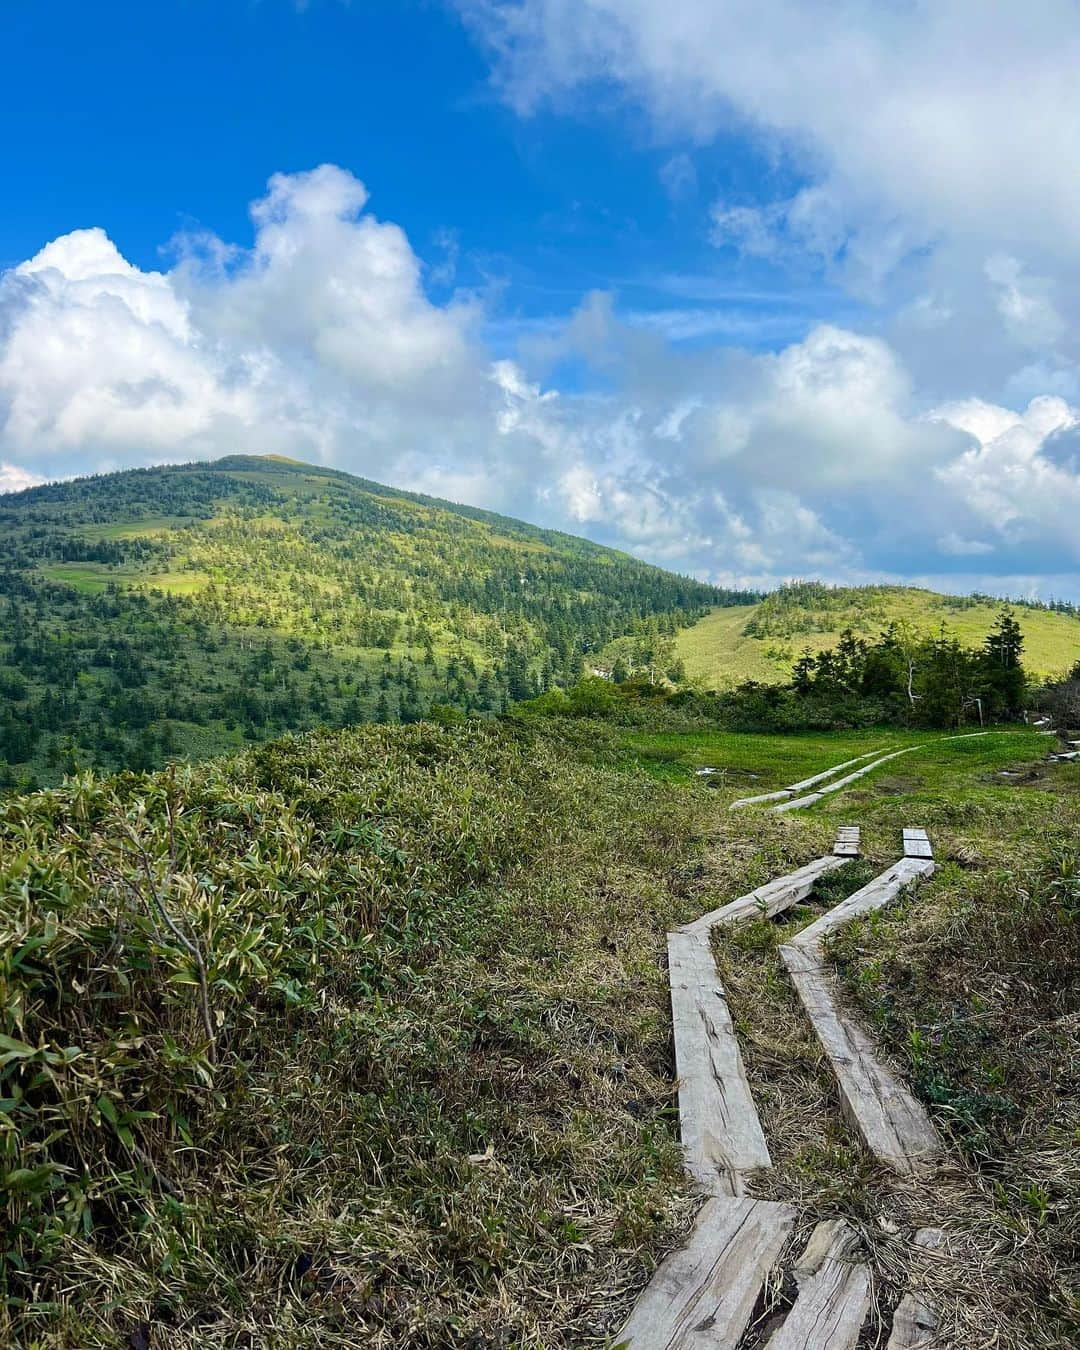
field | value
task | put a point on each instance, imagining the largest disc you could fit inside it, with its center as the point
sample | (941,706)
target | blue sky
(752,290)
(171,117)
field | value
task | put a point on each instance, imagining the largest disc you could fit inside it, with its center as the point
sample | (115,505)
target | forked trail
(703,1296)
(811,790)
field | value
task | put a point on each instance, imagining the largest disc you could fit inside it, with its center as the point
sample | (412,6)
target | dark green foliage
(900,678)
(926,681)
(181,611)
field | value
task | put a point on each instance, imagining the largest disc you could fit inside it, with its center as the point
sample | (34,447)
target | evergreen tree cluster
(938,680)
(184,610)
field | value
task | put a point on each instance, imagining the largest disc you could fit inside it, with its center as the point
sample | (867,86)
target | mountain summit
(184,609)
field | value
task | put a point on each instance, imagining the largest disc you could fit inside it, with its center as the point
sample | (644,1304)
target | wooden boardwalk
(888,1119)
(703,1295)
(721,1135)
(834,1293)
(788,798)
(797,803)
(801,787)
(915,1319)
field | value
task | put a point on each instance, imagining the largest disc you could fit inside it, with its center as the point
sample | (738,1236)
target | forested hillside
(182,610)
(763,641)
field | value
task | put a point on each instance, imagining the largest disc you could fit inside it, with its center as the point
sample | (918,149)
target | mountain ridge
(763,640)
(182,610)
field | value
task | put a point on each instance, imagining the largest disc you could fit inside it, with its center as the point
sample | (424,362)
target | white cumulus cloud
(319,339)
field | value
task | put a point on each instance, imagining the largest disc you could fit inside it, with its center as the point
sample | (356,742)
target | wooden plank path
(776,896)
(915,1319)
(888,1119)
(797,803)
(799,787)
(834,1293)
(702,1296)
(787,799)
(721,1135)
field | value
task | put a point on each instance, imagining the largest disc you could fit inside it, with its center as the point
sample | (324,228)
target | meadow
(364,1035)
(761,641)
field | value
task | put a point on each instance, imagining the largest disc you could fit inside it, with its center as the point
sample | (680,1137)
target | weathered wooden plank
(917,844)
(836,768)
(848,840)
(772,898)
(763,797)
(801,786)
(888,1119)
(797,803)
(834,1293)
(701,1297)
(874,895)
(915,1319)
(722,1137)
(840,783)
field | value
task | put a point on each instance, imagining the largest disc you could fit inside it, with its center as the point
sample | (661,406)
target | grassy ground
(718,652)
(431,1102)
(971,986)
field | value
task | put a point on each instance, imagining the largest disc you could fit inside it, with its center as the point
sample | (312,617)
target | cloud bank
(318,339)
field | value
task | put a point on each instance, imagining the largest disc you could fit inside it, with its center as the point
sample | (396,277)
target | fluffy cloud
(924,150)
(328,280)
(956,114)
(1008,483)
(321,328)
(14,479)
(320,340)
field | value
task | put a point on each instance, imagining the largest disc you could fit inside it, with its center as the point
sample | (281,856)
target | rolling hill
(181,611)
(761,641)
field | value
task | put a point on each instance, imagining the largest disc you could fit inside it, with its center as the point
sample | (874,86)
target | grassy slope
(717,652)
(441,1112)
(972,985)
(371,604)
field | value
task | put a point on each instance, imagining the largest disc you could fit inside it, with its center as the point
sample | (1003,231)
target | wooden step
(915,1319)
(888,1119)
(834,1293)
(722,1137)
(917,844)
(702,1296)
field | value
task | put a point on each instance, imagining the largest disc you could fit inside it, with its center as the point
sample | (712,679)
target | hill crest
(185,609)
(762,640)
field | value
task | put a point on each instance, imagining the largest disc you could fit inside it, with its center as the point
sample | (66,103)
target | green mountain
(762,641)
(180,611)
